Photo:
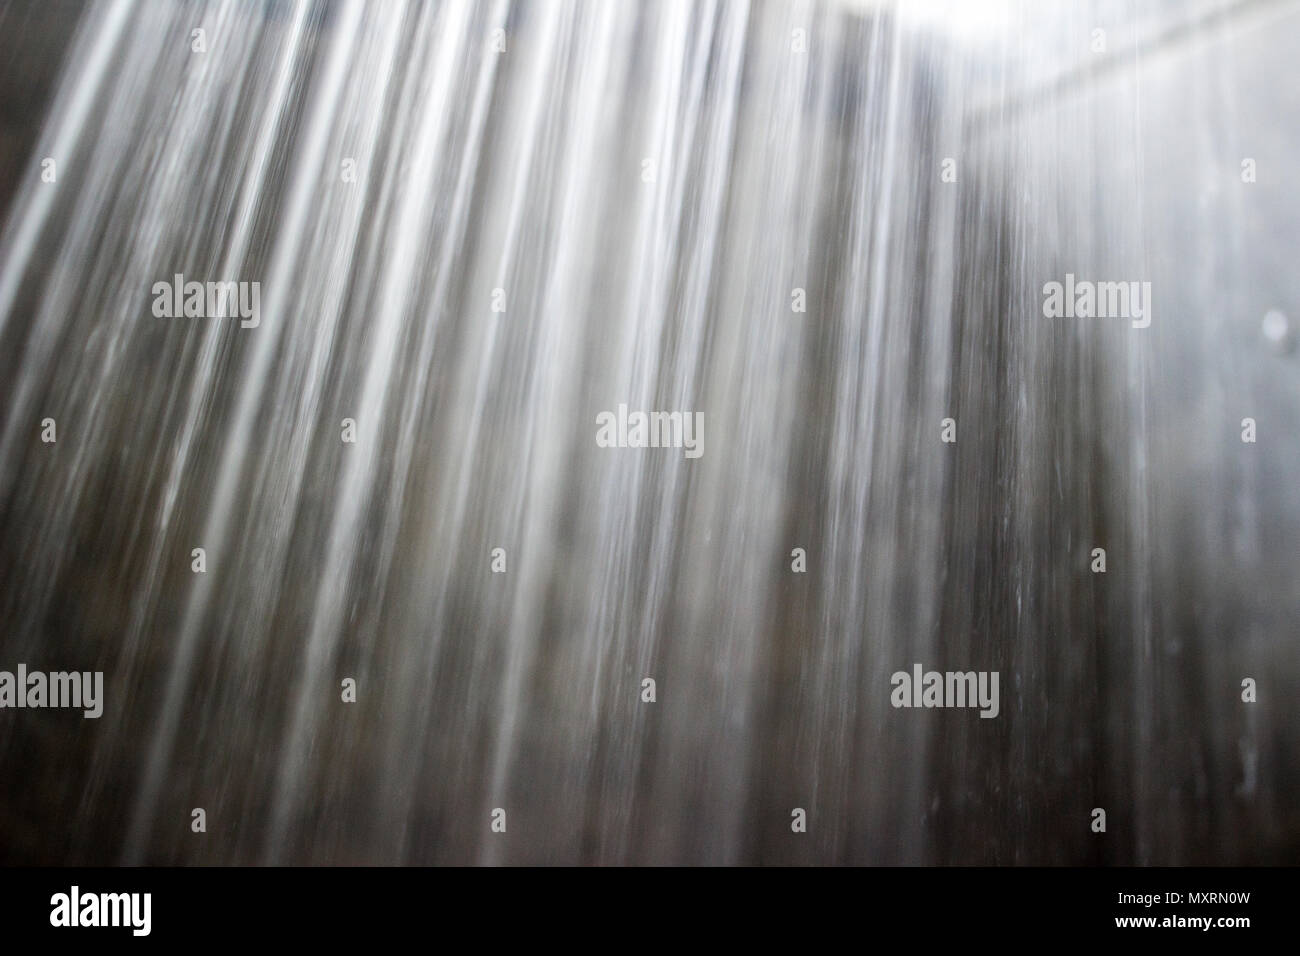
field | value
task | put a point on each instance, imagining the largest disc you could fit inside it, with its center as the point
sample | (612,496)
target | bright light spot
(967,18)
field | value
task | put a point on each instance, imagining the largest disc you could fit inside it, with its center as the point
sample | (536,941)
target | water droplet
(1277,330)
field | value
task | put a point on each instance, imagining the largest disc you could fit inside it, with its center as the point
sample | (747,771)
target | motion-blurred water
(476,226)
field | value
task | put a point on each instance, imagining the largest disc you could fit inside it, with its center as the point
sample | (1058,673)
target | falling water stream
(476,227)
